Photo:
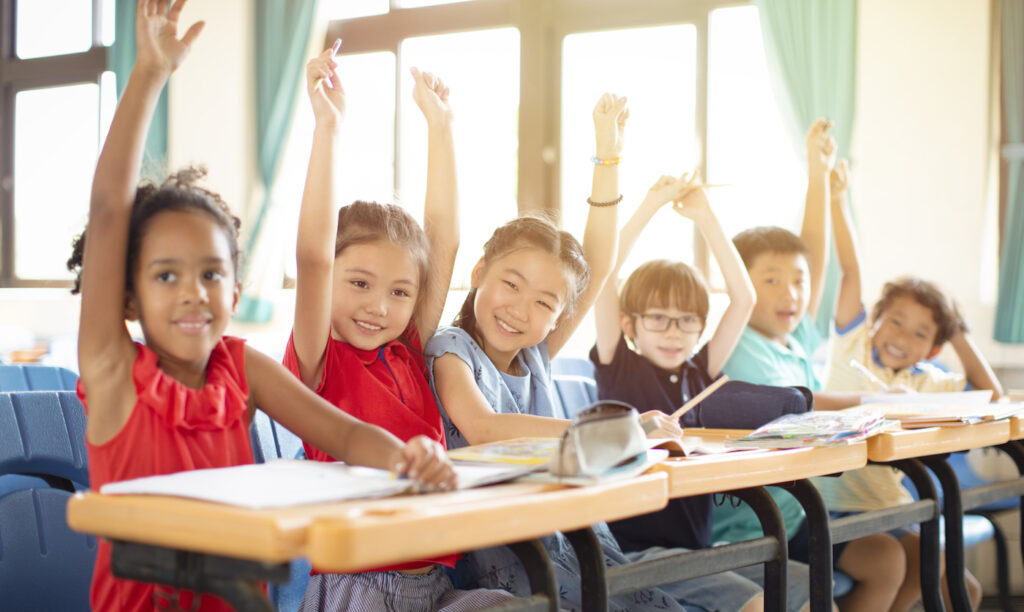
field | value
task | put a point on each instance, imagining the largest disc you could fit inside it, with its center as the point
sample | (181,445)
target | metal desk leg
(538,569)
(593,582)
(1015,449)
(952,509)
(931,589)
(233,580)
(771,522)
(820,543)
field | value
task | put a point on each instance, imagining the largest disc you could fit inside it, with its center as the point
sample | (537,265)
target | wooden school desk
(741,474)
(352,535)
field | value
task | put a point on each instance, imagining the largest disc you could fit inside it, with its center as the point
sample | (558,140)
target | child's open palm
(821,147)
(692,202)
(839,178)
(431,95)
(325,90)
(156,32)
(610,115)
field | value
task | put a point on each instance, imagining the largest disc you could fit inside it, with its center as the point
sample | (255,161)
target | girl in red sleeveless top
(167,255)
(370,289)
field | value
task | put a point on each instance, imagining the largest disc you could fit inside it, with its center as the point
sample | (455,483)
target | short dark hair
(926,294)
(661,283)
(767,239)
(178,192)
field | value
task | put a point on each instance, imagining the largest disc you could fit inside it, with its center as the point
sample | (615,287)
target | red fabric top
(171,429)
(386,387)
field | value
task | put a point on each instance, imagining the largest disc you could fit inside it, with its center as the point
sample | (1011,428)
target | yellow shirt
(875,486)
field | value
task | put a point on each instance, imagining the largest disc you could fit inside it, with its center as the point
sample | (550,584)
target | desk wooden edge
(892,446)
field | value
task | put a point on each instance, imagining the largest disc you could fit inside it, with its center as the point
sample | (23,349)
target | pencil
(867,375)
(696,399)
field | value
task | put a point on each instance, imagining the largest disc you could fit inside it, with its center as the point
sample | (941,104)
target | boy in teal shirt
(788,274)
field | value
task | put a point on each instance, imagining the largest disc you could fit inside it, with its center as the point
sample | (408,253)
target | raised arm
(848,303)
(274,390)
(601,232)
(441,211)
(814,230)
(976,368)
(105,350)
(606,307)
(741,291)
(318,221)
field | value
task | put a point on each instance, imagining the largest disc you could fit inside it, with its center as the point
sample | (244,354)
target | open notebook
(289,482)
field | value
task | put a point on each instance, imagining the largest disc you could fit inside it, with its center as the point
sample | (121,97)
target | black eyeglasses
(661,322)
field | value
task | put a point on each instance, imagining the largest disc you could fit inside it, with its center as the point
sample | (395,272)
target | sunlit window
(482,70)
(42,35)
(659,138)
(748,148)
(348,9)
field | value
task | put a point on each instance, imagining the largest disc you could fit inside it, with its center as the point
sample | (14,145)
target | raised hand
(158,48)
(692,202)
(839,179)
(821,147)
(325,90)
(431,95)
(610,115)
(425,462)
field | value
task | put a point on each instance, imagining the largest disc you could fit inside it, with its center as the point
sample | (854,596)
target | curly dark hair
(927,294)
(178,192)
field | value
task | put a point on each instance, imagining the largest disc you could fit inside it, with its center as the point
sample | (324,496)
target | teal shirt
(760,360)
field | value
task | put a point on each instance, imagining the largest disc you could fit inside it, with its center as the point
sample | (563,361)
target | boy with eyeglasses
(645,355)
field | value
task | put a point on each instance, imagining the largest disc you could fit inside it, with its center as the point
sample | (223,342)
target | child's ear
(235,296)
(627,324)
(935,351)
(131,309)
(478,274)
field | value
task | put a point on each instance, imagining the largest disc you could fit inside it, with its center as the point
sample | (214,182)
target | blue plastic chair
(574,392)
(43,564)
(573,366)
(270,440)
(36,378)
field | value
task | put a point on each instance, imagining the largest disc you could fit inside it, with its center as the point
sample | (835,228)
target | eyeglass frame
(669,321)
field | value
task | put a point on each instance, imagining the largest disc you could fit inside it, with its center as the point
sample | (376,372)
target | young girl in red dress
(370,288)
(167,255)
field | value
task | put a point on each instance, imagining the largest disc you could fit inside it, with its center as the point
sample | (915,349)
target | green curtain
(120,60)
(811,46)
(282,36)
(1009,325)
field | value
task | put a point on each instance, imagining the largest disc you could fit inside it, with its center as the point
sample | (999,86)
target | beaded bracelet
(602,204)
(605,161)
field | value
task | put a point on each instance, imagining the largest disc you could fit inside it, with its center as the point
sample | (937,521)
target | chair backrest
(43,564)
(271,440)
(36,378)
(574,366)
(574,392)
(43,433)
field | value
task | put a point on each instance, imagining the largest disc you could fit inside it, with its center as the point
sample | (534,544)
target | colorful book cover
(830,428)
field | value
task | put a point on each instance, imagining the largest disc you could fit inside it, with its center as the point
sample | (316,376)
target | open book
(289,482)
(832,428)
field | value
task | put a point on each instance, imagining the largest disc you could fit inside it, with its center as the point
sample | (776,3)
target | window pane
(109,26)
(660,136)
(747,144)
(40,35)
(51,183)
(348,9)
(482,70)
(367,155)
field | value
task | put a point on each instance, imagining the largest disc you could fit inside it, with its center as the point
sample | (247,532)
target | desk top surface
(890,446)
(742,469)
(357,534)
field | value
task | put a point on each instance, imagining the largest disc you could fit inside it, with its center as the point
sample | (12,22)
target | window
(58,99)
(524,77)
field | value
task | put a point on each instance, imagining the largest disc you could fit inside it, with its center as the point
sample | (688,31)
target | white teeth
(895,352)
(505,327)
(369,326)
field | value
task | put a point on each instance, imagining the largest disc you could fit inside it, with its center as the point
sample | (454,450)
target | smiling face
(184,290)
(518,302)
(669,348)
(904,333)
(374,294)
(782,282)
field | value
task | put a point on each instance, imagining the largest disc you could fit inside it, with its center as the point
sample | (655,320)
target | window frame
(18,75)
(543,26)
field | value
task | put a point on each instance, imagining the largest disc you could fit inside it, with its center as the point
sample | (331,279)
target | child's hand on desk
(657,424)
(425,462)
